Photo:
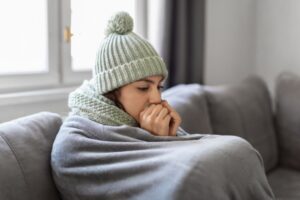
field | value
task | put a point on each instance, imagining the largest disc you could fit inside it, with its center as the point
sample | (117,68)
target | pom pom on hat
(120,23)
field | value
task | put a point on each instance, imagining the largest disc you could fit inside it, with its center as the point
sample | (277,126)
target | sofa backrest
(288,118)
(25,149)
(245,110)
(189,101)
(242,109)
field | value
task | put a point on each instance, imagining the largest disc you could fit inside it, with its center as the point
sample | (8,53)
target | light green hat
(124,57)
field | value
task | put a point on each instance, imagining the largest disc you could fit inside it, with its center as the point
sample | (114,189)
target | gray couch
(243,109)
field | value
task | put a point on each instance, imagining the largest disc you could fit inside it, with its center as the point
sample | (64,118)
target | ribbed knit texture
(84,101)
(124,57)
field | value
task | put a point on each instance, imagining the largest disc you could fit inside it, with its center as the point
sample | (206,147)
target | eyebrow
(150,81)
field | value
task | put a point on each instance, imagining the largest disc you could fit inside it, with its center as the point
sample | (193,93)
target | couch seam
(239,111)
(209,110)
(15,154)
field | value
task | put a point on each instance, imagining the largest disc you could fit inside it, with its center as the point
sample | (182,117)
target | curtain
(182,40)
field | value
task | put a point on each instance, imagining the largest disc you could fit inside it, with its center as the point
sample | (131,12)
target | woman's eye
(160,87)
(143,88)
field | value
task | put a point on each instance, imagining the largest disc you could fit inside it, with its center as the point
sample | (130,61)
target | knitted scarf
(85,101)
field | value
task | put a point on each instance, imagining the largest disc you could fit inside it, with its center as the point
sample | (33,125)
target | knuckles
(159,126)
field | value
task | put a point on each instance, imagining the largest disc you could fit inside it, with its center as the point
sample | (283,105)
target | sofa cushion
(285,183)
(189,101)
(25,148)
(245,110)
(288,118)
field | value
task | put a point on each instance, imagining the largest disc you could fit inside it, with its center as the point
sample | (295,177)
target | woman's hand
(156,119)
(160,119)
(175,118)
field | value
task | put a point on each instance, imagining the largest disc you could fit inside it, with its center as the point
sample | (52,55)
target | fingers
(162,114)
(174,126)
(160,119)
(153,110)
(176,119)
(166,104)
(156,110)
(173,112)
(147,111)
(167,119)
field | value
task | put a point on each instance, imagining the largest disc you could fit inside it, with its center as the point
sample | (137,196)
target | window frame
(69,76)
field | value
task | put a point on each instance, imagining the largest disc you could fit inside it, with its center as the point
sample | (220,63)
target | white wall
(251,36)
(230,40)
(278,38)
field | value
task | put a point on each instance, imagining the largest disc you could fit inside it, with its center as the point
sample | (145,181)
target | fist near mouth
(160,119)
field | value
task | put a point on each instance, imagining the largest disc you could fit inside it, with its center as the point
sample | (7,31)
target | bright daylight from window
(23,38)
(88,20)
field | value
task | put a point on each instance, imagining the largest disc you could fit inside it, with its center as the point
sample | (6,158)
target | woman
(127,64)
(122,141)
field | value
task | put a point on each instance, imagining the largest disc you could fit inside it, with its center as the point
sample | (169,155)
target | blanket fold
(94,161)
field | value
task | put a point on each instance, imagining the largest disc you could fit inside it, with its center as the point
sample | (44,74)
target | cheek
(134,104)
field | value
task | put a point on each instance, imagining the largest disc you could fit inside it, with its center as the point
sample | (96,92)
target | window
(53,43)
(23,43)
(28,50)
(88,21)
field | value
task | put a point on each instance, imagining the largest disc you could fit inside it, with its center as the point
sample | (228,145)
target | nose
(155,97)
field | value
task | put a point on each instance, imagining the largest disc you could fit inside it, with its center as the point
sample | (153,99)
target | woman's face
(136,96)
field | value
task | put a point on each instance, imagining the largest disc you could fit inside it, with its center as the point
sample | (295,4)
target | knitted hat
(124,57)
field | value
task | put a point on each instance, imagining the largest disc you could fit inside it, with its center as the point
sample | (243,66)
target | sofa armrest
(288,118)
(25,147)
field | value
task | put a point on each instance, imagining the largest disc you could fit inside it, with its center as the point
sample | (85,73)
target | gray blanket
(94,161)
